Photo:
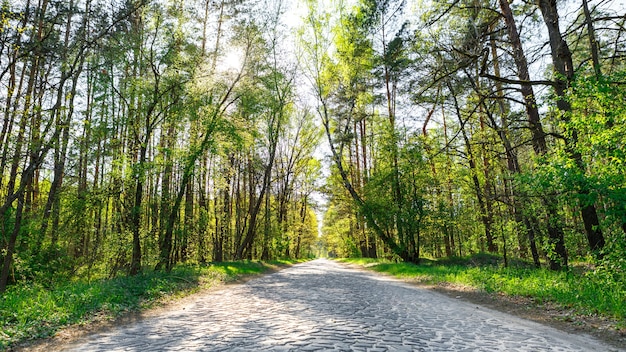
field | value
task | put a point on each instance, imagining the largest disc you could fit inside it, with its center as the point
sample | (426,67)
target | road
(322,305)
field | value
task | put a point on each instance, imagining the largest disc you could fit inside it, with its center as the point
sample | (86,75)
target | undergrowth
(29,311)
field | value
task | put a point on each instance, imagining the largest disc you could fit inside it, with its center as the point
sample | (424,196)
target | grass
(29,311)
(587,292)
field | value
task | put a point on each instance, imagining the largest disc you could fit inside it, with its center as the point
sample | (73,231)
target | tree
(564,69)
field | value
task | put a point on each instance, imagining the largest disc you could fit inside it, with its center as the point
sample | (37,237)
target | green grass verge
(587,292)
(30,311)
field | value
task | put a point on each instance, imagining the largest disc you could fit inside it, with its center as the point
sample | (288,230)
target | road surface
(323,306)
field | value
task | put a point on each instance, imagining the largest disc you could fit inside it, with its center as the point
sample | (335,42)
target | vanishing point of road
(325,306)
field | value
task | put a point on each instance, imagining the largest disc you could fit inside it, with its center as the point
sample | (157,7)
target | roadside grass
(586,291)
(30,311)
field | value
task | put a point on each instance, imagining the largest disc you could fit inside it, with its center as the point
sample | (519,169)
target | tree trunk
(226,215)
(491,245)
(189,222)
(564,67)
(593,42)
(135,264)
(246,244)
(63,125)
(8,257)
(10,112)
(303,212)
(265,252)
(486,220)
(555,232)
(218,246)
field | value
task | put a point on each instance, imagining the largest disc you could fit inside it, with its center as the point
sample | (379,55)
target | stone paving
(322,306)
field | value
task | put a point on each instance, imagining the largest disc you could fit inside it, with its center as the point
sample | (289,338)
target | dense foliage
(140,134)
(473,126)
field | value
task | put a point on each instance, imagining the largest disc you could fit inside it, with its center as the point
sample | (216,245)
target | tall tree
(564,69)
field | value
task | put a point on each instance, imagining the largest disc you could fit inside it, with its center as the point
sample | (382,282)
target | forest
(142,134)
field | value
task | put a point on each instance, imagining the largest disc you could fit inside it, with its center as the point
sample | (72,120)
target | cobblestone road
(322,305)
